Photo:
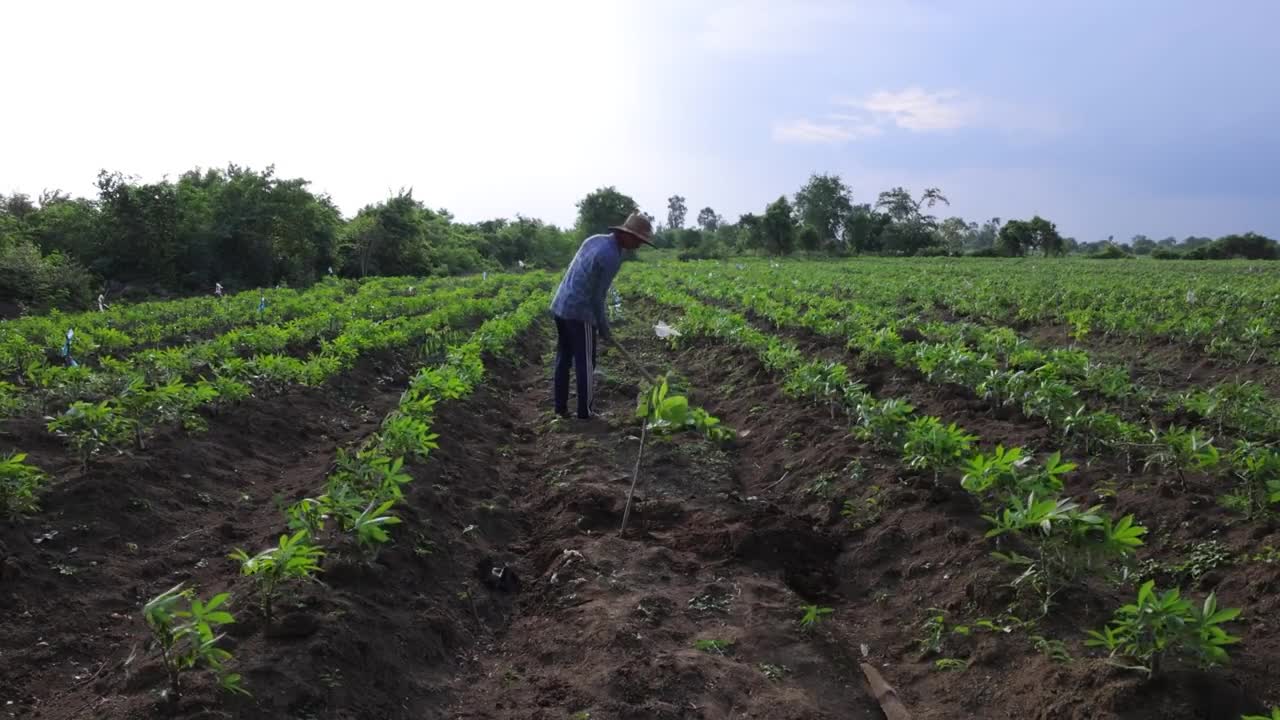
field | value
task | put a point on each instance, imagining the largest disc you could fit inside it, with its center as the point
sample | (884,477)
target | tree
(779,227)
(863,229)
(676,210)
(602,209)
(823,204)
(955,234)
(688,239)
(1250,245)
(910,229)
(1014,238)
(810,239)
(69,226)
(1044,235)
(139,229)
(751,231)
(1142,245)
(708,220)
(1018,237)
(17,205)
(985,236)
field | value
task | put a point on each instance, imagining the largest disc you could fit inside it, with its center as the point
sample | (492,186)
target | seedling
(370,528)
(293,559)
(186,637)
(813,614)
(713,646)
(948,664)
(660,412)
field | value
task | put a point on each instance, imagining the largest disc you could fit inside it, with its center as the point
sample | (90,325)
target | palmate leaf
(1123,535)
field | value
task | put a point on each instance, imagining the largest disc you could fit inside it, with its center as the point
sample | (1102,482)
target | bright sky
(1110,118)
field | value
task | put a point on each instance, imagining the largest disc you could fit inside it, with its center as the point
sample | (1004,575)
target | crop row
(1052,541)
(1222,308)
(353,516)
(133,407)
(51,387)
(1040,385)
(1243,404)
(124,328)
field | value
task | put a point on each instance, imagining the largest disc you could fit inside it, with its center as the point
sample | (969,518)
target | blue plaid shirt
(582,290)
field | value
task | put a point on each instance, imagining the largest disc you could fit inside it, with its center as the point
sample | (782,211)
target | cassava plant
(294,558)
(20,483)
(1160,626)
(184,632)
(1071,543)
(662,412)
(930,445)
(90,428)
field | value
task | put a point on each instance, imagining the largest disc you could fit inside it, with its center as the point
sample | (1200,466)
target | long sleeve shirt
(582,291)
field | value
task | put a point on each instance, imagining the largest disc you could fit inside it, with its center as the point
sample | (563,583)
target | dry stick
(635,365)
(885,694)
(626,513)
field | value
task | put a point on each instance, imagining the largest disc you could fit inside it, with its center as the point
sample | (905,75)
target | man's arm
(603,278)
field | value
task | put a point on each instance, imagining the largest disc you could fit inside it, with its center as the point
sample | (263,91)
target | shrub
(52,279)
(1110,252)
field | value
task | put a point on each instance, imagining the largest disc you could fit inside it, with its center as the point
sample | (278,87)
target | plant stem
(635,476)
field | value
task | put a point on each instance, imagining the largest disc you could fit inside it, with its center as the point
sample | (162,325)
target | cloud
(834,131)
(917,110)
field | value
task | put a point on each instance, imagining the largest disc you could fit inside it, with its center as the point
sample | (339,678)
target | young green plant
(295,558)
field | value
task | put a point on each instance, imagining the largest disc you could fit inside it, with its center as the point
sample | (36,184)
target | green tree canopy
(602,209)
(708,220)
(823,204)
(676,211)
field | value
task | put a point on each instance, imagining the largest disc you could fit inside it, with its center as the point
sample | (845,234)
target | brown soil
(725,544)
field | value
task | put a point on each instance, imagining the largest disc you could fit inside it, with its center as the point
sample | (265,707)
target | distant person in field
(580,311)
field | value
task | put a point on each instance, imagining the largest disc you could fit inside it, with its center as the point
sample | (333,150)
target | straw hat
(639,226)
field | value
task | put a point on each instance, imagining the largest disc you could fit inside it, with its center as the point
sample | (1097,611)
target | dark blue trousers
(575,346)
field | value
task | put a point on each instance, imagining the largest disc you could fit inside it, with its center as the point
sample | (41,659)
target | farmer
(579,307)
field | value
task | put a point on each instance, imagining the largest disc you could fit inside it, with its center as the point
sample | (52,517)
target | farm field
(960,471)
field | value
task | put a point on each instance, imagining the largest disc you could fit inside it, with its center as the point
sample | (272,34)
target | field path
(608,626)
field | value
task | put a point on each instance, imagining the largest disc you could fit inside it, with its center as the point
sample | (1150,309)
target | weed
(866,511)
(713,646)
(1055,650)
(773,672)
(949,664)
(711,600)
(822,486)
